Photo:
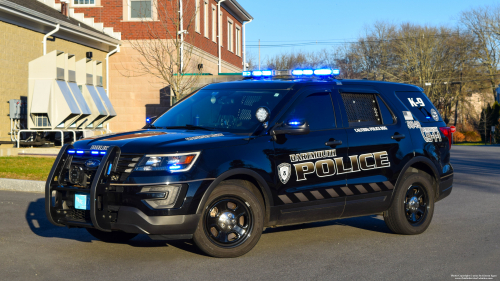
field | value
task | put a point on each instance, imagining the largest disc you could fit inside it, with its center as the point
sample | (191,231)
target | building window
(83,2)
(214,24)
(140,9)
(197,20)
(230,35)
(205,18)
(238,41)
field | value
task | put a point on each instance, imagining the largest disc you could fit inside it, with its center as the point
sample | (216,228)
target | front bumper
(133,220)
(112,207)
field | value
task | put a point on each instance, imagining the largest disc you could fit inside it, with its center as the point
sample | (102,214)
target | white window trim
(237,46)
(214,23)
(129,12)
(197,23)
(221,30)
(97,3)
(205,18)
(230,35)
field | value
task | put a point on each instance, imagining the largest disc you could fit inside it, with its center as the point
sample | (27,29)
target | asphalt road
(463,239)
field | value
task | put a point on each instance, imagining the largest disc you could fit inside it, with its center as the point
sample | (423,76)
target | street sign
(493,129)
(453,129)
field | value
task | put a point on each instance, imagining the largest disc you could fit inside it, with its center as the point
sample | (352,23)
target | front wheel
(232,222)
(111,237)
(413,205)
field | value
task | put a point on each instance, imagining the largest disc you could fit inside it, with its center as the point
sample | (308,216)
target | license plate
(82,201)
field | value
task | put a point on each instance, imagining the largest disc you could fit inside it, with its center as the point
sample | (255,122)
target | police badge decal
(284,171)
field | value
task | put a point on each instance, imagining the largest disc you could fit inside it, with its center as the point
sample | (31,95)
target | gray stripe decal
(388,184)
(375,187)
(285,199)
(346,190)
(332,192)
(361,189)
(317,195)
(301,197)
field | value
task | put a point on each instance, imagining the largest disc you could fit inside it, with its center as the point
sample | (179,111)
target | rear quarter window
(420,106)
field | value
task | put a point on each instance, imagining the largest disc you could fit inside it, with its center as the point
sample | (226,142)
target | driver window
(316,108)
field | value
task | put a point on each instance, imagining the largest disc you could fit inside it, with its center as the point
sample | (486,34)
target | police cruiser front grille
(126,165)
(78,215)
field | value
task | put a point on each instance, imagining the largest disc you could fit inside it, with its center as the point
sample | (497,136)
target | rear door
(309,187)
(379,147)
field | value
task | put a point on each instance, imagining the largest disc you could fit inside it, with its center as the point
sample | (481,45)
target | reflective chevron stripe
(306,196)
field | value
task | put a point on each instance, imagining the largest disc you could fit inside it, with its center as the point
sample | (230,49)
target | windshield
(222,110)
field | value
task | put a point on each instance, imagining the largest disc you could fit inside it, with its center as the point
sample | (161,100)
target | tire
(407,216)
(231,223)
(111,237)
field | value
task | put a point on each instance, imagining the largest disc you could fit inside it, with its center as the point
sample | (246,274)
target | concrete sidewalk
(22,185)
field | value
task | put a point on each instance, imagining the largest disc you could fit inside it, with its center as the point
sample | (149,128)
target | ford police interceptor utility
(277,148)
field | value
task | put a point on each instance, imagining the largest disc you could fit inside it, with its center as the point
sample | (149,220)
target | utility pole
(259,54)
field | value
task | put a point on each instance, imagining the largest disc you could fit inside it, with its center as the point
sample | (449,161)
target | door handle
(398,136)
(334,142)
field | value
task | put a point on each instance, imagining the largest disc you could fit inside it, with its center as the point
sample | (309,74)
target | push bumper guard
(100,215)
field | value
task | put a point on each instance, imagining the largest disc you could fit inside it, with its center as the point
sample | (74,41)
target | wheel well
(253,185)
(424,168)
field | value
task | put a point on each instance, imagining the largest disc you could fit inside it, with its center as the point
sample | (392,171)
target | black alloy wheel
(232,220)
(228,222)
(412,207)
(416,202)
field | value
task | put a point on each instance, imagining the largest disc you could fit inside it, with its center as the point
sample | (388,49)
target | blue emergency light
(322,72)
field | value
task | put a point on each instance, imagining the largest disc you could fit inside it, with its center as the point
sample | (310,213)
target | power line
(301,43)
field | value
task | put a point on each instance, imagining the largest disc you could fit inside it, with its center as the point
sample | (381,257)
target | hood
(162,141)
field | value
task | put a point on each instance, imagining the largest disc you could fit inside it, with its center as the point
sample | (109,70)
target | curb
(22,185)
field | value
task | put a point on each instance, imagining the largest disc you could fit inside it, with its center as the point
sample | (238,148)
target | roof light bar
(323,72)
(257,73)
(295,72)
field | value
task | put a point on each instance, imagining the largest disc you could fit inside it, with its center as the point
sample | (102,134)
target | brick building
(136,97)
(23,25)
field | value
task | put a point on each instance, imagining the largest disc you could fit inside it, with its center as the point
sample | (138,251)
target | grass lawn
(471,143)
(26,168)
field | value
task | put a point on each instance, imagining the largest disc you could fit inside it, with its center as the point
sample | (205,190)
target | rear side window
(387,117)
(361,109)
(420,106)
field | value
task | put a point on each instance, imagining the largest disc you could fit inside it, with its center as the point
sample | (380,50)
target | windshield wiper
(189,127)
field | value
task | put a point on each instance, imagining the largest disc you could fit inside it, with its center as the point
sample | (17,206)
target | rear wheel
(413,205)
(111,237)
(232,222)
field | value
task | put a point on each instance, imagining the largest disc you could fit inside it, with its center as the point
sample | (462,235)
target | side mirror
(292,127)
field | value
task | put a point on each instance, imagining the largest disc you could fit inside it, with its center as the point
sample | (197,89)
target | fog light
(160,197)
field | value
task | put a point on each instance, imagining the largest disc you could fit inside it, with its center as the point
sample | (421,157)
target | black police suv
(234,158)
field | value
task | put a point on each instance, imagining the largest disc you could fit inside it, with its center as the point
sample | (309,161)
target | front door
(309,186)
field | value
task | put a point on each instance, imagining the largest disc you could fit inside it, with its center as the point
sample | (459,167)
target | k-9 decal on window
(331,167)
(417,102)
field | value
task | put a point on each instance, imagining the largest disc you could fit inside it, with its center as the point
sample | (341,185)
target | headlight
(179,162)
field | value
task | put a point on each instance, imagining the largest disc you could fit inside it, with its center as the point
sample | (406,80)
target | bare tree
(165,49)
(483,23)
